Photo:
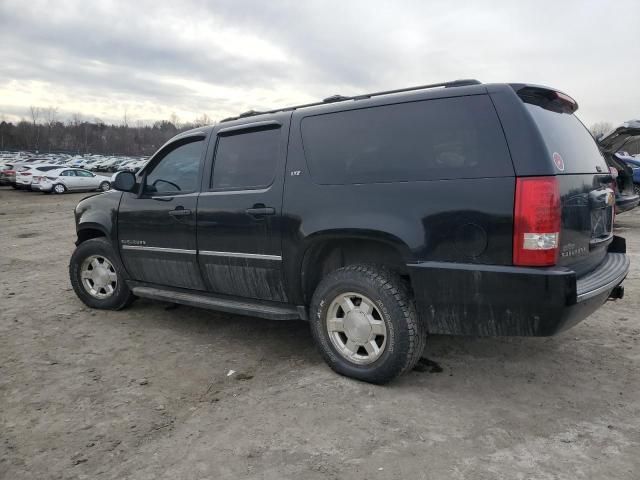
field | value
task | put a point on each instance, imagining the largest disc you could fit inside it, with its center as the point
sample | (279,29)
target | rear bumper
(486,300)
(624,203)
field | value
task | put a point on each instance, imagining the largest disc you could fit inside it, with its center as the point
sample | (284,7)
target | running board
(222,304)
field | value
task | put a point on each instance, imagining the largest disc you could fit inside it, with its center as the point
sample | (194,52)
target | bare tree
(202,121)
(50,115)
(175,120)
(598,129)
(35,116)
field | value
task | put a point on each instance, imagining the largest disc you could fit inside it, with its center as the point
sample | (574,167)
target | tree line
(45,133)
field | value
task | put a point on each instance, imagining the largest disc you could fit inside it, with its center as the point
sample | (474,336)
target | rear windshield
(46,169)
(565,135)
(435,139)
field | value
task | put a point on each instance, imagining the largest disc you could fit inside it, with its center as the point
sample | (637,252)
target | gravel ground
(144,393)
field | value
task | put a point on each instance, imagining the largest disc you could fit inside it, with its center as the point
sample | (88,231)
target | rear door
(87,180)
(157,227)
(239,211)
(585,186)
(68,177)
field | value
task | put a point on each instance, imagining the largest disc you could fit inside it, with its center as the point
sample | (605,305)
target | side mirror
(124,181)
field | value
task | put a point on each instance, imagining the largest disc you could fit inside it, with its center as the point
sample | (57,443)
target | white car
(64,180)
(26,173)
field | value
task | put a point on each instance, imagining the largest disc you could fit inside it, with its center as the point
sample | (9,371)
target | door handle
(179,212)
(261,210)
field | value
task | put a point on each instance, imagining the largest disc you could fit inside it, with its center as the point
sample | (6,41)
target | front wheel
(364,321)
(97,276)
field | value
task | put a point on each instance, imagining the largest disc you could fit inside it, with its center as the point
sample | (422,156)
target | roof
(339,99)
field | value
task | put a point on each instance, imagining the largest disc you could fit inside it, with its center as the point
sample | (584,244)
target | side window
(82,173)
(68,173)
(177,171)
(448,138)
(246,160)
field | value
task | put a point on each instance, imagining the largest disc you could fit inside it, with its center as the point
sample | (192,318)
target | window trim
(244,130)
(160,155)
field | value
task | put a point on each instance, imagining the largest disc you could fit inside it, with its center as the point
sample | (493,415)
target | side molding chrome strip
(240,255)
(158,249)
(208,253)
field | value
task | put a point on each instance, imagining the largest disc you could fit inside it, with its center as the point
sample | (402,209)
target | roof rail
(341,98)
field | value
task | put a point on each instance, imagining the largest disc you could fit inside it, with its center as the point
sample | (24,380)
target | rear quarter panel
(467,220)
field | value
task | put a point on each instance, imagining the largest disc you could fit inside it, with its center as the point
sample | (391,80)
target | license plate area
(601,224)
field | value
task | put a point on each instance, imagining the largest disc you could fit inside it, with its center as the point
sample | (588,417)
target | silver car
(64,180)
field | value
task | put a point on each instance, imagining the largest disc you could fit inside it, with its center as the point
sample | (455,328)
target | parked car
(627,196)
(25,173)
(6,171)
(634,164)
(454,208)
(62,180)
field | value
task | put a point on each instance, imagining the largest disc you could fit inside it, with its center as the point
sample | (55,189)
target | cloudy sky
(188,57)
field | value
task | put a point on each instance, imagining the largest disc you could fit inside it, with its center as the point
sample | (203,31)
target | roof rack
(341,98)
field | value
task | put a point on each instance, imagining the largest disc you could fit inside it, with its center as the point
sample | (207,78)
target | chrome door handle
(179,212)
(261,211)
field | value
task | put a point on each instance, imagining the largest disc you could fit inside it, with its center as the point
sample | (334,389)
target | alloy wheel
(356,328)
(98,276)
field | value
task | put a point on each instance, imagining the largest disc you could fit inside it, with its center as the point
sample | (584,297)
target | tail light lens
(614,174)
(50,178)
(536,222)
(25,174)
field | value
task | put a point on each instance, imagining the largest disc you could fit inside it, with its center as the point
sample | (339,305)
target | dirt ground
(144,393)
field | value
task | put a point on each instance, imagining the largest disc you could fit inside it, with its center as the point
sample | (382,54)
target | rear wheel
(636,188)
(97,276)
(104,186)
(59,188)
(364,321)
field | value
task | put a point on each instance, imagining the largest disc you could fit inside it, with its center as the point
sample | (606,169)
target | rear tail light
(25,174)
(50,178)
(614,174)
(536,221)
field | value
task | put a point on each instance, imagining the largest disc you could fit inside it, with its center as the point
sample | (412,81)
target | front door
(157,228)
(239,211)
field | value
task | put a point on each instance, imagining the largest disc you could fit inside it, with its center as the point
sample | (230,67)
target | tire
(104,186)
(405,335)
(99,248)
(59,188)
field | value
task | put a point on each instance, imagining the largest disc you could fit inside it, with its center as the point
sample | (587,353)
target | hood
(617,138)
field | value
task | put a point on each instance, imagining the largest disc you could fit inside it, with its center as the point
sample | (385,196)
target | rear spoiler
(545,97)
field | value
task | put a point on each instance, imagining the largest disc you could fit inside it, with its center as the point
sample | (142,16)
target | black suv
(457,208)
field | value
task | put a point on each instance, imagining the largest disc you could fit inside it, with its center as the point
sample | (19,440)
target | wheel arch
(87,231)
(327,251)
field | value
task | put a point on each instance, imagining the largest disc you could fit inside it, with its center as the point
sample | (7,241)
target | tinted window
(46,169)
(427,140)
(565,134)
(246,160)
(177,171)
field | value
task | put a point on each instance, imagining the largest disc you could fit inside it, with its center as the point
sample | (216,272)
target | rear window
(246,160)
(564,134)
(436,139)
(46,169)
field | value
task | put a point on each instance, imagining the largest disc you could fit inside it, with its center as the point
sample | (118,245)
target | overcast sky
(188,57)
